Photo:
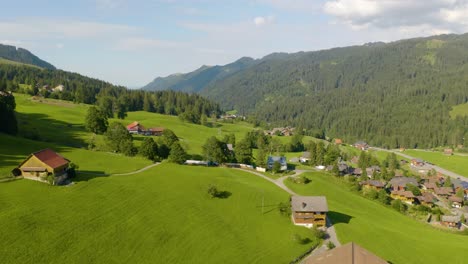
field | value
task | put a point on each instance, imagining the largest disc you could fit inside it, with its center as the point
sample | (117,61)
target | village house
(405,196)
(444,191)
(309,211)
(399,183)
(427,199)
(448,152)
(135,128)
(373,184)
(281,160)
(154,131)
(305,157)
(356,172)
(280,131)
(417,162)
(361,145)
(338,141)
(43,163)
(350,253)
(457,202)
(450,221)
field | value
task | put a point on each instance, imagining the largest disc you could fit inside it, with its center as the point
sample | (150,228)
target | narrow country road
(278,182)
(122,174)
(435,167)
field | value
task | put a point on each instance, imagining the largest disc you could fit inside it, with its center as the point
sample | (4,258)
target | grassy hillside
(385,232)
(455,163)
(63,123)
(10,62)
(459,110)
(163,215)
(15,149)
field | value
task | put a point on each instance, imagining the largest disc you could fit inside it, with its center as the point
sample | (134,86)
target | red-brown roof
(133,125)
(51,158)
(156,129)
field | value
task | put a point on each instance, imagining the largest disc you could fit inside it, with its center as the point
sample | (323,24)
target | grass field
(459,110)
(385,232)
(163,215)
(16,149)
(5,61)
(63,123)
(455,163)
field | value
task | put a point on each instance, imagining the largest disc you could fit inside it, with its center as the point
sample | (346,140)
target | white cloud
(261,21)
(430,15)
(294,5)
(11,42)
(59,45)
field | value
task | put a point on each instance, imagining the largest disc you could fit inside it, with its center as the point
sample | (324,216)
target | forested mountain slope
(397,94)
(22,56)
(197,80)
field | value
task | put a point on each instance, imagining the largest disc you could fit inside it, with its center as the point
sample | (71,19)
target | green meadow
(459,110)
(162,215)
(455,163)
(385,232)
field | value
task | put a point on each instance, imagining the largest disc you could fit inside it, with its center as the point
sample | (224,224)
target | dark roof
(309,204)
(49,157)
(156,129)
(373,183)
(406,194)
(350,253)
(456,199)
(403,181)
(450,218)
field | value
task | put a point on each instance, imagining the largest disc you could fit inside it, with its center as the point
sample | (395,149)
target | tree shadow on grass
(223,195)
(337,217)
(84,175)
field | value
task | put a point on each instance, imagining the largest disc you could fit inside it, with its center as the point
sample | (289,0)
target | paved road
(122,174)
(437,168)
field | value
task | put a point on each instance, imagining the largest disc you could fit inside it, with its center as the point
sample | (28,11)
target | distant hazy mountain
(23,56)
(199,79)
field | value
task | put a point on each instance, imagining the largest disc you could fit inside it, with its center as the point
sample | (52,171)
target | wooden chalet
(349,253)
(154,131)
(135,128)
(309,211)
(361,145)
(427,199)
(399,183)
(444,191)
(43,163)
(373,184)
(405,196)
(417,162)
(457,202)
(452,221)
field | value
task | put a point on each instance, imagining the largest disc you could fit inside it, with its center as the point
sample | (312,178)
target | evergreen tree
(215,150)
(243,152)
(168,138)
(149,149)
(96,121)
(118,139)
(177,154)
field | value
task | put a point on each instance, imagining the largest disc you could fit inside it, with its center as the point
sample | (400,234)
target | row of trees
(8,121)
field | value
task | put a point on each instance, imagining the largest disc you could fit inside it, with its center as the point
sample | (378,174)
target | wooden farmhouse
(135,128)
(405,196)
(361,145)
(350,253)
(43,163)
(373,184)
(309,211)
(450,221)
(399,183)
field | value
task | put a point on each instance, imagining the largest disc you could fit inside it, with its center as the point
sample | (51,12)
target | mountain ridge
(21,55)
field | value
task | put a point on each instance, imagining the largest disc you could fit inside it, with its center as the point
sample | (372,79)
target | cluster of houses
(50,89)
(139,129)
(280,131)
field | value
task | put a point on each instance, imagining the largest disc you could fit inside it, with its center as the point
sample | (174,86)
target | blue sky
(132,42)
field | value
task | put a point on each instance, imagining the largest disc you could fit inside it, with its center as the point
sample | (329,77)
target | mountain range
(392,94)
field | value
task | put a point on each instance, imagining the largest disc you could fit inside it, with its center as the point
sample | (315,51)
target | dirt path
(122,174)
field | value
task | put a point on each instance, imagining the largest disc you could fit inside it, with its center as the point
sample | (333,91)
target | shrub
(318,233)
(330,245)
